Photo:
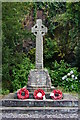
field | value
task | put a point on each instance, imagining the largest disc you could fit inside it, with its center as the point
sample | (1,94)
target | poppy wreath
(56,95)
(39,94)
(26,93)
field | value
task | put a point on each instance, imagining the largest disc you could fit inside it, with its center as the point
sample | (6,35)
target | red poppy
(39,94)
(25,91)
(56,95)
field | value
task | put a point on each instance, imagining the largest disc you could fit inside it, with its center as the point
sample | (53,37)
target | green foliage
(15,70)
(51,51)
(31,55)
(34,11)
(5,92)
(13,14)
(20,73)
(6,78)
(63,25)
(50,48)
(58,71)
(77,54)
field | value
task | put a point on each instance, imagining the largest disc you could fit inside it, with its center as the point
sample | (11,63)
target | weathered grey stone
(39,31)
(15,109)
(39,78)
(39,119)
(40,113)
(39,103)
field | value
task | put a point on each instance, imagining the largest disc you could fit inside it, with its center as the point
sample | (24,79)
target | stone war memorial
(13,107)
(39,77)
(40,72)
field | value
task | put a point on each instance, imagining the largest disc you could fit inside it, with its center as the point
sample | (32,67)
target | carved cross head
(39,28)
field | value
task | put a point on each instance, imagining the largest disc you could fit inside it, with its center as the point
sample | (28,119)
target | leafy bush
(20,73)
(50,48)
(5,92)
(61,69)
(31,55)
(15,69)
(51,51)
(77,54)
(7,60)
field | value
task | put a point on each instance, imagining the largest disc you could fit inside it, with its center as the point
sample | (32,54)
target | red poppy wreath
(56,95)
(39,94)
(23,93)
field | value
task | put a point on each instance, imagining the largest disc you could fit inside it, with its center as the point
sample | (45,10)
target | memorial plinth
(39,77)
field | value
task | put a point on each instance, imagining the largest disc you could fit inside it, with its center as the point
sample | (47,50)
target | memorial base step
(40,113)
(39,103)
(31,109)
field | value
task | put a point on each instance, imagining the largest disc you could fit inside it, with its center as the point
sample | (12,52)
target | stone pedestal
(39,78)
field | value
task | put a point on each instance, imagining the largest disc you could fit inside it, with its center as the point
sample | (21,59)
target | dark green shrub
(15,69)
(20,73)
(31,55)
(77,54)
(61,69)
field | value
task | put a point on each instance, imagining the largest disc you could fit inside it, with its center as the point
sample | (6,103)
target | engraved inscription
(38,78)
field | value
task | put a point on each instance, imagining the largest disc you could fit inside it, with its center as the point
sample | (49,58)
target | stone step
(40,118)
(38,103)
(41,113)
(31,109)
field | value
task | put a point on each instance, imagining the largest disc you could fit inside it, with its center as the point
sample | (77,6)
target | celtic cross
(39,31)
